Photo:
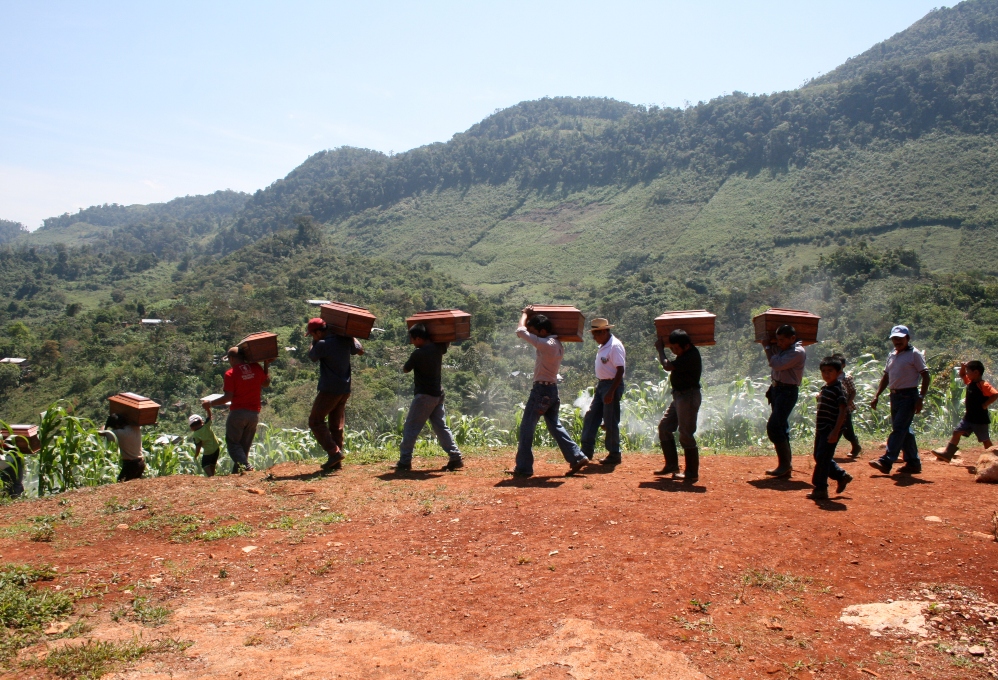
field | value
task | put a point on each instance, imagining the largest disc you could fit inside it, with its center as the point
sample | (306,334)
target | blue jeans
(608,415)
(902,438)
(531,416)
(824,461)
(423,408)
(240,428)
(783,399)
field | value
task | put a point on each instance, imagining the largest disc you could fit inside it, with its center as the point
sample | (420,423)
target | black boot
(784,457)
(692,461)
(671,456)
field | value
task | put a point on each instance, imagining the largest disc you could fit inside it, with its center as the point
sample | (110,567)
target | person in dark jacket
(327,418)
(682,413)
(425,363)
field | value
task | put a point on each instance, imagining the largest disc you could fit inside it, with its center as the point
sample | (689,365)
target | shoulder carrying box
(569,323)
(25,437)
(136,409)
(346,319)
(259,347)
(698,324)
(444,325)
(804,322)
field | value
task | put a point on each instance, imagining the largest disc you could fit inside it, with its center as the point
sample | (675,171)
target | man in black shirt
(333,353)
(427,401)
(682,413)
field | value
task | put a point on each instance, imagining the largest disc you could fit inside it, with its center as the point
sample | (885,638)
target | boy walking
(905,368)
(980,395)
(128,436)
(427,401)
(849,385)
(328,415)
(832,412)
(543,399)
(205,442)
(786,357)
(611,360)
(684,377)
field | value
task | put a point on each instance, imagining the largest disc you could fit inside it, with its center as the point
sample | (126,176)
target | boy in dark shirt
(980,395)
(849,430)
(682,413)
(427,401)
(333,353)
(831,417)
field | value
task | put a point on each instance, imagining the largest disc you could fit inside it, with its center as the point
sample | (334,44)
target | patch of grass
(775,581)
(149,614)
(286,522)
(185,526)
(523,559)
(112,506)
(252,641)
(96,658)
(25,607)
(42,533)
(228,531)
(697,605)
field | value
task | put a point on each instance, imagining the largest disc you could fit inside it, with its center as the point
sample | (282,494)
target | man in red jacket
(242,387)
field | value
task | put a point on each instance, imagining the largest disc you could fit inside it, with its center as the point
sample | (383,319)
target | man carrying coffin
(605,406)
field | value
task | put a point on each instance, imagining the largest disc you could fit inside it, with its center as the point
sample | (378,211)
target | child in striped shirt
(849,385)
(831,417)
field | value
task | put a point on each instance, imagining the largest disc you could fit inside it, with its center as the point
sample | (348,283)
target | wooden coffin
(804,322)
(259,347)
(698,324)
(444,325)
(25,437)
(136,409)
(345,319)
(569,323)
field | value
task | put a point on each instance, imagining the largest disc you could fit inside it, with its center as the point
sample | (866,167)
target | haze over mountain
(867,195)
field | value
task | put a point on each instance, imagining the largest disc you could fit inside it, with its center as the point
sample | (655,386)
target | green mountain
(867,196)
(11,230)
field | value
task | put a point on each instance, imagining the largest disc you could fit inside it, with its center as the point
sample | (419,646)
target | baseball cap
(195,419)
(316,324)
(900,332)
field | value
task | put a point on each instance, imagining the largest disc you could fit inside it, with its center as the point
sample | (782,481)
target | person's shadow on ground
(418,475)
(301,477)
(672,486)
(779,484)
(535,482)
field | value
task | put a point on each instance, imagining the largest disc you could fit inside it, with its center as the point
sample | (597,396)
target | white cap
(195,419)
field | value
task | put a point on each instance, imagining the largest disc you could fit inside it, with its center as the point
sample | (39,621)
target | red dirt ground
(610,573)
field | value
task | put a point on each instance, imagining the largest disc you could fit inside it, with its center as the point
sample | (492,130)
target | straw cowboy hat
(600,324)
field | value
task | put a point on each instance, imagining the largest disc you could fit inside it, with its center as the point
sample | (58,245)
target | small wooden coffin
(698,324)
(25,437)
(804,322)
(444,325)
(345,319)
(569,323)
(259,347)
(136,409)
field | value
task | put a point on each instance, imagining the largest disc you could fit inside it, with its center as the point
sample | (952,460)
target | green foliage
(95,658)
(227,531)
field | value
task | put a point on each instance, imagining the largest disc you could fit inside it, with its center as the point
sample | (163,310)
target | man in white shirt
(611,359)
(904,371)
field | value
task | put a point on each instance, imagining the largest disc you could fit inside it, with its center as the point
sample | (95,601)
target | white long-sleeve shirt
(549,354)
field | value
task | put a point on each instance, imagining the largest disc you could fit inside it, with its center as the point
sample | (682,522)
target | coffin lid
(686,314)
(800,313)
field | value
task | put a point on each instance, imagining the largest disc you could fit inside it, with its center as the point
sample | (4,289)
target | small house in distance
(317,303)
(16,361)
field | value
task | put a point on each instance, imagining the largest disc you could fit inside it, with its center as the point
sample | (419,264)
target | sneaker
(668,470)
(403,467)
(578,465)
(333,462)
(611,460)
(454,464)
(881,465)
(519,473)
(818,495)
(685,478)
(841,485)
(907,469)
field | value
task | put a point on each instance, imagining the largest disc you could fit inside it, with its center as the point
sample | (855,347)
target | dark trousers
(783,399)
(12,474)
(131,469)
(824,461)
(902,438)
(208,463)
(532,413)
(240,428)
(326,420)
(682,416)
(606,414)
(849,431)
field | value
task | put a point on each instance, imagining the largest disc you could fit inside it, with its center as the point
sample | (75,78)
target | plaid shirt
(849,385)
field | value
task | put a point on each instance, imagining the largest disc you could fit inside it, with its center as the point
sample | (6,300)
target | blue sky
(139,102)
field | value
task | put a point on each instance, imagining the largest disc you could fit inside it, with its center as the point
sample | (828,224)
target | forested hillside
(867,196)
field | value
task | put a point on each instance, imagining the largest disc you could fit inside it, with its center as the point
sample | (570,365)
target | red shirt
(244,382)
